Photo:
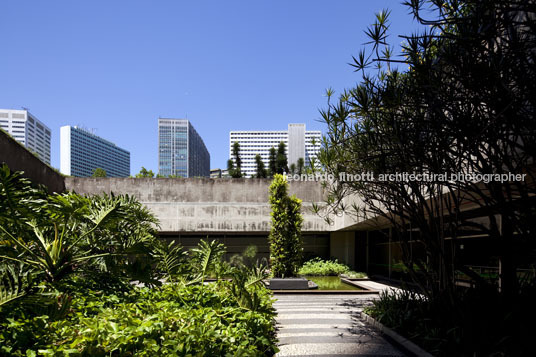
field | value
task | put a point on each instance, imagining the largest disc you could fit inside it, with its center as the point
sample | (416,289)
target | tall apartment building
(27,130)
(181,151)
(300,143)
(81,152)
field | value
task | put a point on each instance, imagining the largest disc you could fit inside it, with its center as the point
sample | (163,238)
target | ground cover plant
(87,276)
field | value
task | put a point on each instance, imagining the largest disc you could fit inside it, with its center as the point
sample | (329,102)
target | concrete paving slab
(327,326)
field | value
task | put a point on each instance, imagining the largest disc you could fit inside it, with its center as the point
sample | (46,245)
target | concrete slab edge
(327,292)
(402,341)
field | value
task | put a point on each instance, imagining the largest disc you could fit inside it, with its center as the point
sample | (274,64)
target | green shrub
(174,320)
(320,267)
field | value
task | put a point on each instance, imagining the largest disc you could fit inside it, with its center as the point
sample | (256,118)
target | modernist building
(27,130)
(181,151)
(81,152)
(300,143)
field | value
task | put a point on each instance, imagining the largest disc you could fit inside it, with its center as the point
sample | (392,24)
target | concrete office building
(300,143)
(81,152)
(181,151)
(28,131)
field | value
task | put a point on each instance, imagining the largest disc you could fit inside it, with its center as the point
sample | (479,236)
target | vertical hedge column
(285,235)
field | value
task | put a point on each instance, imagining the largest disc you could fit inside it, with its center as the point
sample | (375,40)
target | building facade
(81,152)
(28,131)
(299,142)
(181,151)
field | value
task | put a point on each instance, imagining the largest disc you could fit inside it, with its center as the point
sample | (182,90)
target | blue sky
(117,66)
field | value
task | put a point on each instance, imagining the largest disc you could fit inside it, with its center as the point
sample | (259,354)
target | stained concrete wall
(207,205)
(18,158)
(342,247)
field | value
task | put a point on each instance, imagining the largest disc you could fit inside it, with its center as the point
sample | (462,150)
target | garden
(87,276)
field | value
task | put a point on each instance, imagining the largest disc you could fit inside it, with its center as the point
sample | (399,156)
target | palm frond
(170,259)
(14,284)
(205,257)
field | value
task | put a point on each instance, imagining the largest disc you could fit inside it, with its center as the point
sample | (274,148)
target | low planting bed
(173,320)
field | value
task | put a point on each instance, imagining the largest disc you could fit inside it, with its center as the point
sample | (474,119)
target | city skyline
(252,66)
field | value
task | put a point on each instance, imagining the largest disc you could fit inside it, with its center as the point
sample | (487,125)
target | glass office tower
(181,151)
(81,152)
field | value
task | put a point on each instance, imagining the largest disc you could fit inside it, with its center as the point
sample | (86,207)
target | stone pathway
(327,325)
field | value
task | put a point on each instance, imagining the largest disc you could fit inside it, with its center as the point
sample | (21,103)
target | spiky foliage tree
(466,104)
(285,234)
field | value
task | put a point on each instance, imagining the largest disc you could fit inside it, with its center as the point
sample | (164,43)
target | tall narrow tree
(261,170)
(236,172)
(272,162)
(300,166)
(281,159)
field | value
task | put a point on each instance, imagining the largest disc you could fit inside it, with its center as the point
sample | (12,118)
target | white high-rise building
(28,131)
(81,152)
(299,142)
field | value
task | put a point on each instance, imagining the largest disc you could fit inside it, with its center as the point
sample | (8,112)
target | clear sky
(117,66)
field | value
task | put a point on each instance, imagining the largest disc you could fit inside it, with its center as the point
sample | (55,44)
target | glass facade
(82,152)
(181,151)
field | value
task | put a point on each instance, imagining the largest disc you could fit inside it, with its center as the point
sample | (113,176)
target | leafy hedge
(175,319)
(319,267)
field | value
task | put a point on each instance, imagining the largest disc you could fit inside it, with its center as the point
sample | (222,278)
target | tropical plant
(144,173)
(14,283)
(170,260)
(206,259)
(285,234)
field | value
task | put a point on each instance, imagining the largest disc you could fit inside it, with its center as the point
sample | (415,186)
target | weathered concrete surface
(18,158)
(208,205)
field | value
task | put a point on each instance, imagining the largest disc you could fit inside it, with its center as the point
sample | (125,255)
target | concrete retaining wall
(207,205)
(18,158)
